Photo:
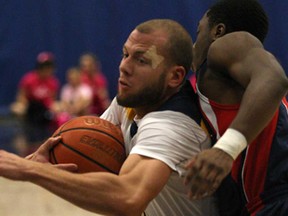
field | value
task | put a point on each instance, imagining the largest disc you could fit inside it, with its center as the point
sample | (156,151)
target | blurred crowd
(42,104)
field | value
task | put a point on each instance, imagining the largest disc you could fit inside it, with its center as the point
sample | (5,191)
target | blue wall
(71,27)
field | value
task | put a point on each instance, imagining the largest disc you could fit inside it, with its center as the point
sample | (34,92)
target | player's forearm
(97,192)
(259,103)
(21,97)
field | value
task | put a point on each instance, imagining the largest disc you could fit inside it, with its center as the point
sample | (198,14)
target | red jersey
(260,169)
(37,89)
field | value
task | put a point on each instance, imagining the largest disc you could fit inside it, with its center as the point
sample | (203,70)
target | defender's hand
(206,171)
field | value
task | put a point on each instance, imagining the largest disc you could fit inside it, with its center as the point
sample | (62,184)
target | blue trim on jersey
(277,170)
(184,101)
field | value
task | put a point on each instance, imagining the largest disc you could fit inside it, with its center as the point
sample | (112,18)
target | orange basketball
(92,143)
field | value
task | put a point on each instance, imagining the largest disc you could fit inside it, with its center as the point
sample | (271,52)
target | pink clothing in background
(41,90)
(71,95)
(97,82)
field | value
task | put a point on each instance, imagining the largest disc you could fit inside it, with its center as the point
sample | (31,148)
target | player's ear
(219,30)
(176,76)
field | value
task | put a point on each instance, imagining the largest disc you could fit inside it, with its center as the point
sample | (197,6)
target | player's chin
(123,99)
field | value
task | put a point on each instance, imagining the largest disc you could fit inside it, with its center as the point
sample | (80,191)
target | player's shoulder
(232,47)
(240,35)
(240,40)
(30,76)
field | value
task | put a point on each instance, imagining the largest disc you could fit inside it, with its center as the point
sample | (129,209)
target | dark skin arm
(261,84)
(257,72)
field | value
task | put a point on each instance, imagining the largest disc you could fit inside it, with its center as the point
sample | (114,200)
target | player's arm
(139,181)
(20,105)
(242,57)
(21,96)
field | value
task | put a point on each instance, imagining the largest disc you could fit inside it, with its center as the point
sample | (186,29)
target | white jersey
(173,138)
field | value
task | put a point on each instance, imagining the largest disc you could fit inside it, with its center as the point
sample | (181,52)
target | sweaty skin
(156,59)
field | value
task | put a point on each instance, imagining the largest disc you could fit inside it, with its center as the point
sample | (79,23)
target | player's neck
(142,111)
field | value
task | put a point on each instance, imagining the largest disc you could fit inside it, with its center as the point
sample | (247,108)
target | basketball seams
(52,154)
(96,123)
(86,157)
(58,131)
(93,129)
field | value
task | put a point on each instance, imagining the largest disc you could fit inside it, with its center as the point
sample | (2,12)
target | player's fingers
(206,185)
(199,170)
(199,187)
(196,185)
(49,144)
(42,153)
(196,178)
(210,172)
(201,178)
(52,141)
(209,191)
(215,178)
(193,168)
(218,180)
(190,163)
(29,157)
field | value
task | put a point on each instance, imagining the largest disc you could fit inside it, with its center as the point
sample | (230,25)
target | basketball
(92,143)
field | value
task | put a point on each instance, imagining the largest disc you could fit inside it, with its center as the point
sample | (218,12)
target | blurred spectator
(37,91)
(92,75)
(75,98)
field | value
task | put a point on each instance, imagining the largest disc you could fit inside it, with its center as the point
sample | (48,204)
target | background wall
(70,27)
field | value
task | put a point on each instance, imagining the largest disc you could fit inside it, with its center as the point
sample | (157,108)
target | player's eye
(124,55)
(142,60)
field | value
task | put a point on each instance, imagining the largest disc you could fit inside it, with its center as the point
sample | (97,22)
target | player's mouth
(123,84)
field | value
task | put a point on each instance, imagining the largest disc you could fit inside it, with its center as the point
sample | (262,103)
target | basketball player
(240,87)
(157,133)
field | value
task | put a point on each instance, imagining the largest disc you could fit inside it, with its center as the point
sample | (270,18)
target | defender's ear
(219,30)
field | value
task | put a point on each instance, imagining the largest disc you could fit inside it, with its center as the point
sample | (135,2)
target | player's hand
(206,171)
(42,154)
